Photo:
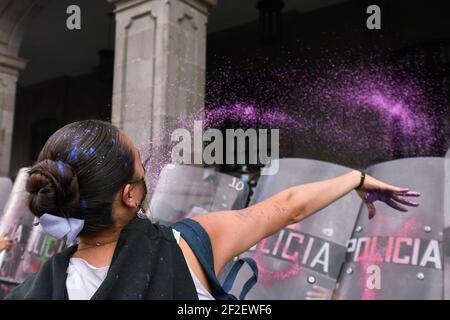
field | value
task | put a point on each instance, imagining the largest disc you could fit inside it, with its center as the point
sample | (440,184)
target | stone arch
(15,16)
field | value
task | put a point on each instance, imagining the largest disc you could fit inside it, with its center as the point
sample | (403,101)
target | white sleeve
(176,235)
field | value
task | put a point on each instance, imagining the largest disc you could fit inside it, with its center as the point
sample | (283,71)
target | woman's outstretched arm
(233,232)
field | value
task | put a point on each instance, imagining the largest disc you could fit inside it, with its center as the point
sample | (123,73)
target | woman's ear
(127,197)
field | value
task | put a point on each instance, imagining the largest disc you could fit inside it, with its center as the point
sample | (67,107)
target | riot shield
(5,190)
(31,245)
(446,231)
(184,191)
(303,260)
(398,255)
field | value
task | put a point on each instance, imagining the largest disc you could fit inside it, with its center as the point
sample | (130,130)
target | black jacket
(147,264)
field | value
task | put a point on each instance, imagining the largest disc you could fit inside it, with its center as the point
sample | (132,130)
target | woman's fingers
(371,209)
(391,195)
(397,189)
(408,194)
(405,201)
(391,203)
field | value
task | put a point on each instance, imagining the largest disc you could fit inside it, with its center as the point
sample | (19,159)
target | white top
(83,279)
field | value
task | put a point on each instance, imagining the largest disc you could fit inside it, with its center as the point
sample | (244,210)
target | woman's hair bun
(53,188)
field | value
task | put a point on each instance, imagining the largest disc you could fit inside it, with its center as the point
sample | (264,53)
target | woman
(89,183)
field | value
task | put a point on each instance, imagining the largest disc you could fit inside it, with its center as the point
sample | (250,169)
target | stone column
(9,72)
(159,69)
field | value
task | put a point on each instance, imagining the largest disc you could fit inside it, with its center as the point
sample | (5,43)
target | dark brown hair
(78,173)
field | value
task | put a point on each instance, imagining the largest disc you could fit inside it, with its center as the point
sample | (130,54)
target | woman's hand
(5,243)
(393,196)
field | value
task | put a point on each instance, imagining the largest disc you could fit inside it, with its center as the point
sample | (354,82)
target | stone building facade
(158,70)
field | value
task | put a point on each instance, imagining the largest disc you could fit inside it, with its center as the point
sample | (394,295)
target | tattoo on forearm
(279,209)
(242,214)
(246,214)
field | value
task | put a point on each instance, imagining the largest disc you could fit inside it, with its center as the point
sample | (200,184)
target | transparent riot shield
(184,191)
(303,260)
(5,190)
(31,247)
(446,231)
(398,255)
